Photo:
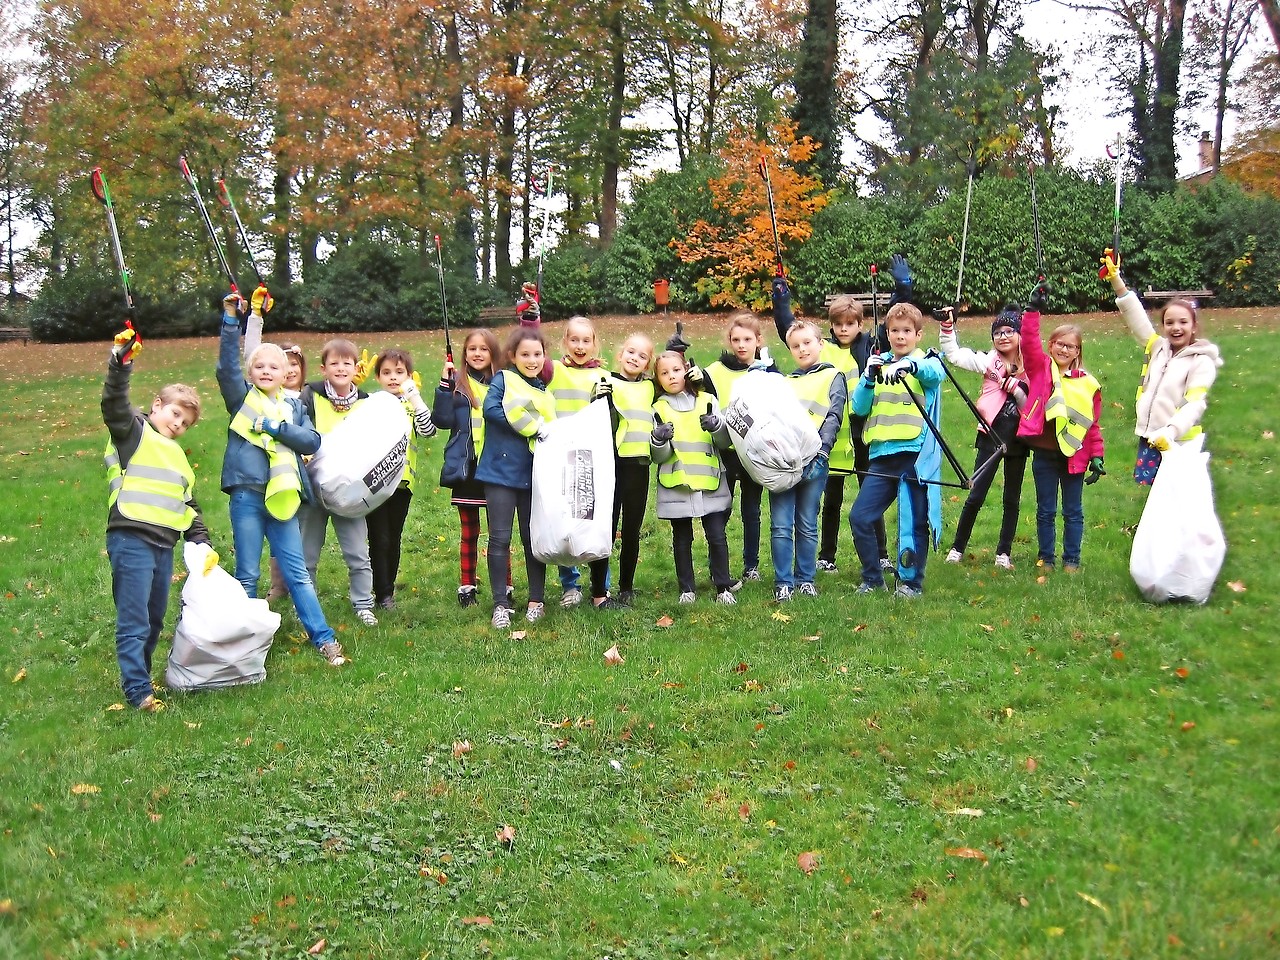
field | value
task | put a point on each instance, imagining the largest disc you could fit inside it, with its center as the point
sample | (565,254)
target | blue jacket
(506,459)
(451,411)
(245,465)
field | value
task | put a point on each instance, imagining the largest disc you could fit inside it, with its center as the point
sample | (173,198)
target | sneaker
(535,612)
(886,563)
(1071,568)
(1003,562)
(953,556)
(609,603)
(387,603)
(571,598)
(908,591)
(367,618)
(501,618)
(726,596)
(688,597)
(828,566)
(332,651)
(735,586)
(467,597)
(626,597)
(150,704)
(807,590)
(750,575)
(781,594)
(869,588)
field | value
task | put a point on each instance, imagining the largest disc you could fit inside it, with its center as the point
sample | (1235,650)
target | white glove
(763,362)
(544,431)
(895,371)
(410,392)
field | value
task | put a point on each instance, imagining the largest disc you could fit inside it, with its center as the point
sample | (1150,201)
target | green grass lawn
(1003,768)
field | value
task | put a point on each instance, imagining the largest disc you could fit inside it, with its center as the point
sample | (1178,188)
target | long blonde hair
(1069,330)
(462,378)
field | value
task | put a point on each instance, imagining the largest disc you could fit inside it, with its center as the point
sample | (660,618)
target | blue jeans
(250,525)
(793,531)
(1049,470)
(879,489)
(140,575)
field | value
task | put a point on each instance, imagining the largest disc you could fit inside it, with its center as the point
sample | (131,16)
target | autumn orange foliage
(739,250)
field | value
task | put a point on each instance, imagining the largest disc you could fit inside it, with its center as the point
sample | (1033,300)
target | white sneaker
(886,563)
(571,598)
(781,594)
(807,590)
(828,566)
(501,618)
(1003,561)
(750,575)
(367,618)
(535,612)
(688,597)
(954,556)
(726,596)
(332,651)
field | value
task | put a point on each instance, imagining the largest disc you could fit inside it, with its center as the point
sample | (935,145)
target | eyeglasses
(1004,334)
(1069,347)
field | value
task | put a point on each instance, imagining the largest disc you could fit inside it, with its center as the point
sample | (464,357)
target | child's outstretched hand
(365,366)
(262,301)
(1096,470)
(1110,269)
(127,344)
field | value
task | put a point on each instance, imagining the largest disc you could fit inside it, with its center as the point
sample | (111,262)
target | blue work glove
(781,292)
(1095,470)
(817,467)
(901,273)
(266,425)
(1038,299)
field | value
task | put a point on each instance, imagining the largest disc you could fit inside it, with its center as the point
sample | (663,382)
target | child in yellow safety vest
(688,433)
(393,369)
(149,507)
(458,408)
(1060,425)
(574,379)
(1178,368)
(327,402)
(793,513)
(631,394)
(262,475)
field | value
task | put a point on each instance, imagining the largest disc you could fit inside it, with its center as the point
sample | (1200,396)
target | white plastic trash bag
(572,516)
(223,637)
(773,434)
(1179,547)
(362,460)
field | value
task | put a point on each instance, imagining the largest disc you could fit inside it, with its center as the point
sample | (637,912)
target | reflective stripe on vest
(524,405)
(695,463)
(893,415)
(155,486)
(284,483)
(479,391)
(571,386)
(1071,405)
(634,402)
(1145,376)
(841,460)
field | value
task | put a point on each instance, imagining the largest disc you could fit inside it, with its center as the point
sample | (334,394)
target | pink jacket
(1040,380)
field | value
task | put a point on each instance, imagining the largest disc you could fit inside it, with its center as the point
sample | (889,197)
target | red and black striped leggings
(469,546)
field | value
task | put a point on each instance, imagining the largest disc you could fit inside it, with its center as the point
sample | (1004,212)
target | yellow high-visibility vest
(284,481)
(479,390)
(695,463)
(571,386)
(1071,407)
(842,452)
(524,405)
(634,402)
(327,415)
(155,486)
(893,415)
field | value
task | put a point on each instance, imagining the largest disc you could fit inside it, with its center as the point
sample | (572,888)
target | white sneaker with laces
(332,651)
(367,618)
(535,612)
(571,598)
(1003,562)
(954,556)
(807,590)
(828,566)
(726,596)
(689,597)
(750,575)
(501,618)
(886,563)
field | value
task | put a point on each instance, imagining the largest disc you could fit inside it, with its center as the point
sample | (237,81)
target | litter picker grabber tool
(1035,221)
(444,302)
(778,269)
(879,336)
(224,195)
(103,192)
(1116,153)
(546,222)
(208,224)
(964,234)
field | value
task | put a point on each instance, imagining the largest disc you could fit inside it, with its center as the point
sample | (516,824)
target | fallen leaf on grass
(967,812)
(1117,654)
(114,707)
(20,676)
(781,617)
(919,895)
(1031,764)
(672,685)
(664,621)
(751,686)
(613,657)
(1182,673)
(1268,435)
(987,627)
(506,836)
(1042,579)
(807,861)
(859,628)
(1188,725)
(317,948)
(742,667)
(82,788)
(814,639)
(461,748)
(1093,900)
(519,634)
(286,901)
(1054,931)
(966,853)
(477,922)
(1237,586)
(744,812)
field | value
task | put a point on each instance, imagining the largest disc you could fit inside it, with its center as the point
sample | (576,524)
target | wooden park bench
(1196,295)
(16,333)
(496,316)
(881,300)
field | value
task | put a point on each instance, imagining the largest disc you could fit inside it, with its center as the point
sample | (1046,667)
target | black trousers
(713,526)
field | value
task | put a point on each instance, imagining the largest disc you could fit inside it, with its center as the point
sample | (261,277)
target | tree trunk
(281,210)
(464,226)
(1161,147)
(1271,10)
(611,152)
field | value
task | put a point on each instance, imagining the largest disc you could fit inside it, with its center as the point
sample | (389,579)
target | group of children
(872,398)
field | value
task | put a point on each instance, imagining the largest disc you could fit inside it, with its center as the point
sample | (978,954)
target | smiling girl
(1178,368)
